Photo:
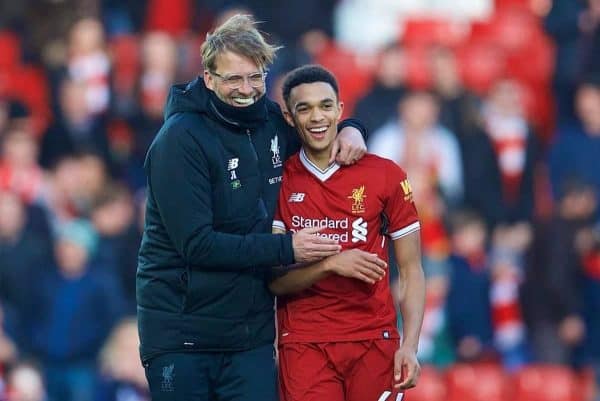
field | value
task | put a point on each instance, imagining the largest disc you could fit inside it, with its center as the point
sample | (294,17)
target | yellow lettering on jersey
(407,190)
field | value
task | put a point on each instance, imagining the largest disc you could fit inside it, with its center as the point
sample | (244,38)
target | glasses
(255,80)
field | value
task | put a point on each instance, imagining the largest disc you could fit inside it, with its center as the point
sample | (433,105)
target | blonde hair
(238,35)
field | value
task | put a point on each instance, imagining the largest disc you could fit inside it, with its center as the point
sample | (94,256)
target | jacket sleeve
(179,181)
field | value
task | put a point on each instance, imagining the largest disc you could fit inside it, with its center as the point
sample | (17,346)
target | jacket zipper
(251,144)
(252,288)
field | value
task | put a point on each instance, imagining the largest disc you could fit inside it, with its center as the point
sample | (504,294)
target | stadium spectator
(19,170)
(469,289)
(459,107)
(428,152)
(500,162)
(23,252)
(122,376)
(25,383)
(581,139)
(114,218)
(552,291)
(379,105)
(72,310)
(76,130)
(89,64)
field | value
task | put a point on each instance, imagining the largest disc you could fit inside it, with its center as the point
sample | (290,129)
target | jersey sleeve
(399,206)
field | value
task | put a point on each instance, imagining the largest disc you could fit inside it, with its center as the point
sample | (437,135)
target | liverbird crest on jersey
(358,199)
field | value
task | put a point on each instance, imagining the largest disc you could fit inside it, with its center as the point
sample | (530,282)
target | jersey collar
(322,175)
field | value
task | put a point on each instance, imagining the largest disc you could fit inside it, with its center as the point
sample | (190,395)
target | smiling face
(228,66)
(315,112)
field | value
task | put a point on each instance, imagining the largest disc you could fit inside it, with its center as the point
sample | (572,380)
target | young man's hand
(310,247)
(361,265)
(407,365)
(349,146)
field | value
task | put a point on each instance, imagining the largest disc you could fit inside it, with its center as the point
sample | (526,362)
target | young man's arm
(412,305)
(353,263)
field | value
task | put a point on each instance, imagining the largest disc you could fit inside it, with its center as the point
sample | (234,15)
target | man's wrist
(410,345)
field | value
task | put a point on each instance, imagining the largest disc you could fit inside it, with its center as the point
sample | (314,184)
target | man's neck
(319,159)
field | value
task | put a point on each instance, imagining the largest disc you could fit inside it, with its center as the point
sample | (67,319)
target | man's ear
(288,117)
(341,107)
(209,81)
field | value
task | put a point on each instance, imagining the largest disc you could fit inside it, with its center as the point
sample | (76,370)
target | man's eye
(327,106)
(301,110)
(234,79)
(255,78)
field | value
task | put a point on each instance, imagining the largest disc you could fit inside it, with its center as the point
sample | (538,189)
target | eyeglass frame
(245,78)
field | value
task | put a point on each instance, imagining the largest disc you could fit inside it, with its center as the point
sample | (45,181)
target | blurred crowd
(492,107)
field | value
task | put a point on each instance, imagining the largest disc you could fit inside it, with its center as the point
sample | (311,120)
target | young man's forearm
(412,306)
(299,279)
(412,280)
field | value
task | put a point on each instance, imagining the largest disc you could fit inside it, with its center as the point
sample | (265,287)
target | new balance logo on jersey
(296,197)
(359,230)
(233,164)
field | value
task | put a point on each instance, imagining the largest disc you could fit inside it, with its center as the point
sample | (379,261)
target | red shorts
(342,371)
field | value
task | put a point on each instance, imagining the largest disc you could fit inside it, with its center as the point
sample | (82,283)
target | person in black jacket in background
(205,313)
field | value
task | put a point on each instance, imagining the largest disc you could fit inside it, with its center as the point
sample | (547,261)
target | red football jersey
(360,206)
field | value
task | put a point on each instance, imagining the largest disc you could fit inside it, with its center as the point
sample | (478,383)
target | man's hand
(348,147)
(310,247)
(405,361)
(357,264)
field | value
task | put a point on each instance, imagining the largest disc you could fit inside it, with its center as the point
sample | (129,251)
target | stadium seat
(171,16)
(477,382)
(30,85)
(417,66)
(513,28)
(426,32)
(546,383)
(10,51)
(535,64)
(354,79)
(587,384)
(431,386)
(125,52)
(481,65)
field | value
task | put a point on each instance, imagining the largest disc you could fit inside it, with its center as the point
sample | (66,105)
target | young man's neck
(318,158)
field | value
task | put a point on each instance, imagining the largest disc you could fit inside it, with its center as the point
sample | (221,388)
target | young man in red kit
(337,328)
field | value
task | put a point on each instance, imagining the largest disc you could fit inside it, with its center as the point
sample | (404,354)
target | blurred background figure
(72,311)
(427,151)
(19,170)
(553,288)
(89,63)
(506,157)
(25,383)
(469,307)
(379,105)
(459,107)
(77,129)
(113,215)
(23,252)
(575,153)
(122,375)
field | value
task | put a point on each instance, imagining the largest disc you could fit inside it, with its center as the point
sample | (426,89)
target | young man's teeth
(243,100)
(318,130)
